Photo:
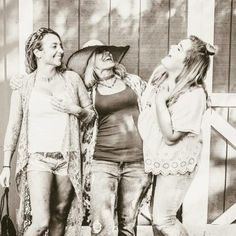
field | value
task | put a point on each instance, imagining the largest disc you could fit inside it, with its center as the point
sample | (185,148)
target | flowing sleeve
(87,115)
(84,98)
(14,122)
(187,112)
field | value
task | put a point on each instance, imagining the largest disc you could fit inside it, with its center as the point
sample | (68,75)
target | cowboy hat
(78,60)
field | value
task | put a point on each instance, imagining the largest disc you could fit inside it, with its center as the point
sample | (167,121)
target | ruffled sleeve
(187,112)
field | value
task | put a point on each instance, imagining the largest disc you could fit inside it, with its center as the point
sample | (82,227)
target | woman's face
(174,61)
(52,51)
(104,60)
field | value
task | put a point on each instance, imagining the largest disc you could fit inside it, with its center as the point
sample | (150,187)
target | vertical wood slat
(25,29)
(233,49)
(222,40)
(124,30)
(200,22)
(178,21)
(153,35)
(40,14)
(94,20)
(63,18)
(230,188)
(12,38)
(217,172)
(230,191)
(2,67)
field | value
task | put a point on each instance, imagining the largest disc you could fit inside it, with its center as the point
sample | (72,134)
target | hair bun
(211,50)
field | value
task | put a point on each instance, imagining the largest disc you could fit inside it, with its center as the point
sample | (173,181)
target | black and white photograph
(118,117)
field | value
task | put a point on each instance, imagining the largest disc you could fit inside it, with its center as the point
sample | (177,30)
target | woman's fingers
(16,81)
(7,182)
(4,181)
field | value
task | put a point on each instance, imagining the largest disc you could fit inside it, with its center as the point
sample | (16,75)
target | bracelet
(6,166)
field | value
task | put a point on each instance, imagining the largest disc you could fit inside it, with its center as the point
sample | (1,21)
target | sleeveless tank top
(118,139)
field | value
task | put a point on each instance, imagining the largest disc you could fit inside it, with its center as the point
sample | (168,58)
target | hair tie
(211,50)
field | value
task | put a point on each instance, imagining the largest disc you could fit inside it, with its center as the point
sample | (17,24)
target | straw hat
(79,59)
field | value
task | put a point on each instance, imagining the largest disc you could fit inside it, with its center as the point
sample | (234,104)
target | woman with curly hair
(48,170)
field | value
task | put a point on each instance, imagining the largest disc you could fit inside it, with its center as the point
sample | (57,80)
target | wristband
(6,166)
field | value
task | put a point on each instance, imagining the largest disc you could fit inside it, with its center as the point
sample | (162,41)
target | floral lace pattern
(179,158)
(183,156)
(70,150)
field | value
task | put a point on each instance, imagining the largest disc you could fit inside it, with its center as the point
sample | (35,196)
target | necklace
(109,86)
(46,79)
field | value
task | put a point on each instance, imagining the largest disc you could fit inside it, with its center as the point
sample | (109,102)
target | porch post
(25,29)
(195,208)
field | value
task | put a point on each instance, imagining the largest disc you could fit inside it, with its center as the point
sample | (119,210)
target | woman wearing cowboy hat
(114,151)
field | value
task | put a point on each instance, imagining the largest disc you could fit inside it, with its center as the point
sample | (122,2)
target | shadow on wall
(222,172)
(118,22)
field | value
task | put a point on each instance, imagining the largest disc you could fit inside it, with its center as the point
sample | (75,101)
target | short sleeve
(187,112)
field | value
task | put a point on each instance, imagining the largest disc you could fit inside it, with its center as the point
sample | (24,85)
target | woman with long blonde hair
(180,100)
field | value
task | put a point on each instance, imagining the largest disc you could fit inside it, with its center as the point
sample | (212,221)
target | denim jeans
(122,185)
(168,195)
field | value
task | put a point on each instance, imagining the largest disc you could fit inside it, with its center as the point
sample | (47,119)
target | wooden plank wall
(148,26)
(222,190)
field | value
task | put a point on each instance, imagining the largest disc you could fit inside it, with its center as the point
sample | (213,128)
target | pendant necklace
(109,86)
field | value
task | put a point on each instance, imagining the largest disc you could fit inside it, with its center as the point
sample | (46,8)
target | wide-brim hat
(78,61)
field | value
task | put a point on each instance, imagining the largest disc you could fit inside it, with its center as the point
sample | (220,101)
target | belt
(54,155)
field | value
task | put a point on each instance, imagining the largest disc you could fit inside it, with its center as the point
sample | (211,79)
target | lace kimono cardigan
(89,135)
(75,89)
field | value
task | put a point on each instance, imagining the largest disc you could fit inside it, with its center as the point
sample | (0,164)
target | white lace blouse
(186,116)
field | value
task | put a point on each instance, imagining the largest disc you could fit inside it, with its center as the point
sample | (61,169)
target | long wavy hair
(33,42)
(196,64)
(90,77)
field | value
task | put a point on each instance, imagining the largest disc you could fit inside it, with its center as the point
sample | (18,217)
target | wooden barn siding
(222,188)
(149,27)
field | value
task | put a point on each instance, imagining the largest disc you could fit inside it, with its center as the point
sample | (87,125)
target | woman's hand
(16,82)
(5,177)
(65,105)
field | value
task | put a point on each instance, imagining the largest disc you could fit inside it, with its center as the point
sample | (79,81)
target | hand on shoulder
(16,81)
